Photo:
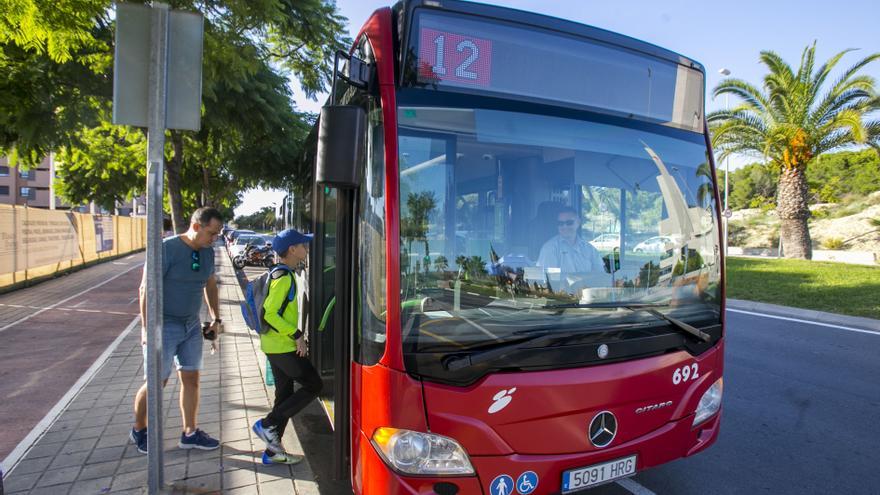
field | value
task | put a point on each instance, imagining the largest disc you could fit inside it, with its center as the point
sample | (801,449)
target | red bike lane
(43,355)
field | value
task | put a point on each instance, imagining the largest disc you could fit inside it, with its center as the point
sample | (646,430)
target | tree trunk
(172,173)
(793,213)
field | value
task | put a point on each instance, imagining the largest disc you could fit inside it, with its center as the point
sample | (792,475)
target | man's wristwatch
(217,320)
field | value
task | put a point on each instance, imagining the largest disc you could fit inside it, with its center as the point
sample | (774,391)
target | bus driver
(567,258)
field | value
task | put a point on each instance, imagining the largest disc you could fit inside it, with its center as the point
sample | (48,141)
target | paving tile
(113,440)
(279,487)
(28,466)
(44,450)
(96,486)
(61,489)
(91,432)
(202,467)
(207,483)
(20,482)
(67,460)
(83,444)
(132,464)
(98,470)
(58,476)
(235,478)
(129,480)
(108,454)
(56,436)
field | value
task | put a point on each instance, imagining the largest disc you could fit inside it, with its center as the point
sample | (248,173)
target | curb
(805,314)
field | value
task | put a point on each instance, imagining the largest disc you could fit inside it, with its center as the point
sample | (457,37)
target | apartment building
(33,188)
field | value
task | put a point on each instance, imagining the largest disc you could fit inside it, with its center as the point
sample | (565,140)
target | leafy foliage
(56,86)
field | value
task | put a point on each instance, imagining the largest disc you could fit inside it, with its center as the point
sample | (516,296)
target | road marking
(37,431)
(633,487)
(80,303)
(59,303)
(72,308)
(798,320)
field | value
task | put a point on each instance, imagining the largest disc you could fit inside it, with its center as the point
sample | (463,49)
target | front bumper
(672,441)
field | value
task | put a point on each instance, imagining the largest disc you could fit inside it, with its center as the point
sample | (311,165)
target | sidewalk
(86,449)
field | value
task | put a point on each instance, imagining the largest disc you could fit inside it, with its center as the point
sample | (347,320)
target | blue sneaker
(139,438)
(269,435)
(281,458)
(198,440)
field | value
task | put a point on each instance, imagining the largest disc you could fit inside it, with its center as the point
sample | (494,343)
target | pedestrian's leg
(140,408)
(283,390)
(189,399)
(302,371)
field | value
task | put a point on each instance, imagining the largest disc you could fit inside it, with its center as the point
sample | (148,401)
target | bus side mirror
(341,131)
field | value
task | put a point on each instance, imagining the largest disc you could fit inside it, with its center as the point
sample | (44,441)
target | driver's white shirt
(579,257)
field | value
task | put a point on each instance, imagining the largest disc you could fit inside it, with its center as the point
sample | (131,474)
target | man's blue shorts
(182,342)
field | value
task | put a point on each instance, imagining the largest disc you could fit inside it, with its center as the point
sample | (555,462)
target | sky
(717,35)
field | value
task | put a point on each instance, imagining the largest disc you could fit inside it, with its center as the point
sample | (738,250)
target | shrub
(833,243)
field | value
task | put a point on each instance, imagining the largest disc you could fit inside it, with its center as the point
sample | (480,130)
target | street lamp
(725,72)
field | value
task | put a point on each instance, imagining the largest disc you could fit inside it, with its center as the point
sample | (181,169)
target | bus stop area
(82,445)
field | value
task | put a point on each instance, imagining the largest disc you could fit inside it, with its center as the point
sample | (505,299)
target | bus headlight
(413,452)
(710,402)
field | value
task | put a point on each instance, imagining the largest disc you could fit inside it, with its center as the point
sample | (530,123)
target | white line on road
(798,320)
(59,303)
(23,446)
(633,487)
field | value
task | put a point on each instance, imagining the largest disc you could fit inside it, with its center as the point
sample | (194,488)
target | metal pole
(155,193)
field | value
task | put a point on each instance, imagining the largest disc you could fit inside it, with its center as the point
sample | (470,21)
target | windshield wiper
(536,335)
(646,307)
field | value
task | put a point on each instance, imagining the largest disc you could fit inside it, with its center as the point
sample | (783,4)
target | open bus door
(331,327)
(336,181)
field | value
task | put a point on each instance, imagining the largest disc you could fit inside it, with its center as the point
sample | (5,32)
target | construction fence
(36,243)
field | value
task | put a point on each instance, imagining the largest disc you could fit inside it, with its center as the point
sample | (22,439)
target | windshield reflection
(504,214)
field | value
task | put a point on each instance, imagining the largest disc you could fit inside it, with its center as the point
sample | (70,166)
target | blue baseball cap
(287,238)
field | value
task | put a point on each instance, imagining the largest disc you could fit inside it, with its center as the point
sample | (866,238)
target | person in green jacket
(286,349)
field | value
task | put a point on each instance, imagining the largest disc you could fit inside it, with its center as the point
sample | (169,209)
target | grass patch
(823,286)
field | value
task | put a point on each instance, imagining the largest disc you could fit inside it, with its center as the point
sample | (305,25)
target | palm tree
(790,122)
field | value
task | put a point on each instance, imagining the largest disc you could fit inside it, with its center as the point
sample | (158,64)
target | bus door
(330,328)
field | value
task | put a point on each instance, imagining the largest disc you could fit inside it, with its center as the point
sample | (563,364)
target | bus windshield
(515,222)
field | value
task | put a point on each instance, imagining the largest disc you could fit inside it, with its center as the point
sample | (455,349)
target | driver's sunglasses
(196,261)
(567,223)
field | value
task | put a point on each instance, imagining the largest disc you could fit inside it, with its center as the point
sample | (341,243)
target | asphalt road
(51,333)
(801,416)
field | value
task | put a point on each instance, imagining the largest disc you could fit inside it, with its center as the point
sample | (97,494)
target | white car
(654,245)
(606,242)
(242,241)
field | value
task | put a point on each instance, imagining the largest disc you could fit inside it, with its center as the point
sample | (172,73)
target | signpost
(158,60)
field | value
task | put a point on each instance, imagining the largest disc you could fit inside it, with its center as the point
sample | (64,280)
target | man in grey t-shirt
(187,278)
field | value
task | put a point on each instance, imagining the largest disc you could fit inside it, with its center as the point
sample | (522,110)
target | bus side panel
(380,396)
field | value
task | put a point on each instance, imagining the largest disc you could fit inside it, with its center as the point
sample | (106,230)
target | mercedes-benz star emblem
(602,351)
(603,428)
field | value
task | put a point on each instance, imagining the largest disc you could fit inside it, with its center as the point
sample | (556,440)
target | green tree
(56,80)
(792,121)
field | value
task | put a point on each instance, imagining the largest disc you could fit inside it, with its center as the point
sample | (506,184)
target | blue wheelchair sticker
(527,482)
(501,485)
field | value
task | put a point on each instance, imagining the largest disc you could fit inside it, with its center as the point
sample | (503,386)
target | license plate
(578,479)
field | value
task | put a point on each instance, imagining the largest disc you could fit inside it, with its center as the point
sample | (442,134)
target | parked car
(606,242)
(653,245)
(236,233)
(242,242)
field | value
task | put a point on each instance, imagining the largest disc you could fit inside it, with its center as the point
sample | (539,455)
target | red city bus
(517,279)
